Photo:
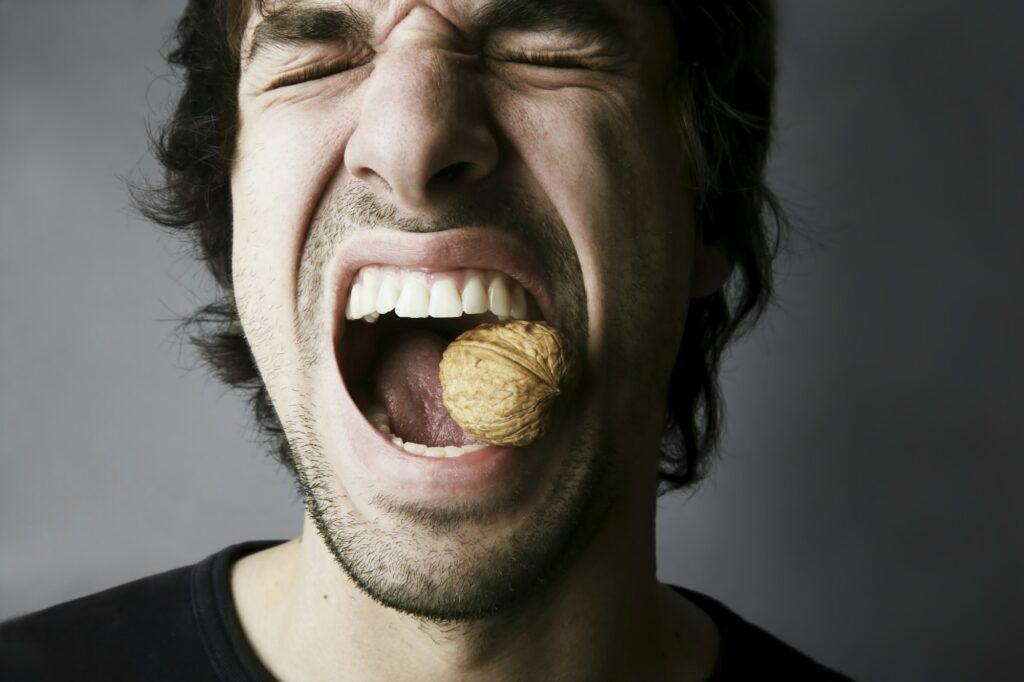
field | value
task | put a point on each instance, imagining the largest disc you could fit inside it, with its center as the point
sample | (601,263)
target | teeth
(414,301)
(409,295)
(444,299)
(474,296)
(368,295)
(387,297)
(348,308)
(437,451)
(498,295)
(415,448)
(353,308)
(382,423)
(518,308)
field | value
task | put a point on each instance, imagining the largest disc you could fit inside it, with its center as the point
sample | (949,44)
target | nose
(423,133)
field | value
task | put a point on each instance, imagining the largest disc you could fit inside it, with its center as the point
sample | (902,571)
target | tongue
(407,384)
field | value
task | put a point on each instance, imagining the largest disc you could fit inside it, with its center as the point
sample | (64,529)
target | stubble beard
(438,563)
(435,563)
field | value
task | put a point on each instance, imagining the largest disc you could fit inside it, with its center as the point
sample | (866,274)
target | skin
(592,159)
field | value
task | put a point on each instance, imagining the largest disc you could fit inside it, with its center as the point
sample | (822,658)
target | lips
(397,464)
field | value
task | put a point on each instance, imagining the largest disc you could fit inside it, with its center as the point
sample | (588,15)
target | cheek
(282,168)
(284,163)
(596,160)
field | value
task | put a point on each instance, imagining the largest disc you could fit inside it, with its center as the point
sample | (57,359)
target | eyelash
(314,72)
(324,69)
(556,61)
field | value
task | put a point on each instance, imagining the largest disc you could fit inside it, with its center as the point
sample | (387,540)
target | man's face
(435,142)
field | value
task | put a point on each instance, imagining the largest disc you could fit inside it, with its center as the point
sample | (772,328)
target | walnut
(499,380)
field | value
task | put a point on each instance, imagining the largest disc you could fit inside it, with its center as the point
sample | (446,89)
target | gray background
(865,507)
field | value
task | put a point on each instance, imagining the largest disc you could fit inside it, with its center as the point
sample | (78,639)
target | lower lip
(473,473)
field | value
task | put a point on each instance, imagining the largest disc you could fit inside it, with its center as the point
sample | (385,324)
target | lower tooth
(415,448)
(382,422)
(435,451)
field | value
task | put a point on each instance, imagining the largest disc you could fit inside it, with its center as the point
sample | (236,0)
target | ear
(711,268)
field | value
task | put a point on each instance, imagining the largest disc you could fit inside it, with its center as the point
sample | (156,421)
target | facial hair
(434,562)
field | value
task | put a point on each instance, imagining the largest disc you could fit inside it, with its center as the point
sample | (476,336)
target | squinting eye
(314,72)
(552,60)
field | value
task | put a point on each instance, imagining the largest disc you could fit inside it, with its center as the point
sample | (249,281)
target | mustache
(359,207)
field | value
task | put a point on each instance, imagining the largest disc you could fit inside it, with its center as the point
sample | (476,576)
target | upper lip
(469,247)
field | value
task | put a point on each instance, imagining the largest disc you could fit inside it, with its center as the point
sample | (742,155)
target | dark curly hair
(726,70)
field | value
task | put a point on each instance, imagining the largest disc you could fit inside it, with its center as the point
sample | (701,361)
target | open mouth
(398,322)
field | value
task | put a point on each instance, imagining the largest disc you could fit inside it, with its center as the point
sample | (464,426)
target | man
(366,179)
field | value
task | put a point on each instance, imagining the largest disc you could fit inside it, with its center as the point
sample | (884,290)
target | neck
(605,617)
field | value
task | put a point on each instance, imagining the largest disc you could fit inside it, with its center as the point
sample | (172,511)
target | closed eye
(320,70)
(548,59)
(314,72)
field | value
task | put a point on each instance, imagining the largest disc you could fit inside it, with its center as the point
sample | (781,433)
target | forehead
(301,20)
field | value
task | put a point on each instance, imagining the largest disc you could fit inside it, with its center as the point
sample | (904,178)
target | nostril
(450,175)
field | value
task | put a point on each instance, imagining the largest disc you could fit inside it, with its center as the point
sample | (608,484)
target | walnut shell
(499,380)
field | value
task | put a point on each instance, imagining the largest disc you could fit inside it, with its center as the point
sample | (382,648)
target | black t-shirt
(181,625)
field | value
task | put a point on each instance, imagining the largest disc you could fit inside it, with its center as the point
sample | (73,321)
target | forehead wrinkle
(301,21)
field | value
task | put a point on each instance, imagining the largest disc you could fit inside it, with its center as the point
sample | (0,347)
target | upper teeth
(383,289)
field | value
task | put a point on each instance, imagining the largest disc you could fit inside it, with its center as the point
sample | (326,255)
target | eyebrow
(298,23)
(584,18)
